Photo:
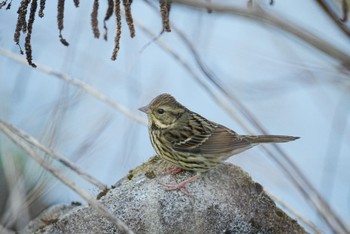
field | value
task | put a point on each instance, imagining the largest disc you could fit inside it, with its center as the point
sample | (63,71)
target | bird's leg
(173,170)
(180,186)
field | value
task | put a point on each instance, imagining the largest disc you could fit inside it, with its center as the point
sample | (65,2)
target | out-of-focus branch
(283,160)
(288,166)
(55,155)
(80,84)
(85,195)
(193,73)
(341,22)
(259,15)
(294,212)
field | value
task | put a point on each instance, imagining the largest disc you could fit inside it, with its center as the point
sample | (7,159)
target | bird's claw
(180,186)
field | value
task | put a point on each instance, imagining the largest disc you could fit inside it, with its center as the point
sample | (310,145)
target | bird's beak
(145,109)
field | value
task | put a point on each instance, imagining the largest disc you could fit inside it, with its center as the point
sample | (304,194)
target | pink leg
(173,170)
(181,185)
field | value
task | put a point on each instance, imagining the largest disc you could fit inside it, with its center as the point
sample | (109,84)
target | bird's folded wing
(219,140)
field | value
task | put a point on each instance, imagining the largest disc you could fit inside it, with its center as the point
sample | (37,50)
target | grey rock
(223,200)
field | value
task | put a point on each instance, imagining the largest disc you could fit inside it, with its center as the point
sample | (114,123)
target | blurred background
(287,84)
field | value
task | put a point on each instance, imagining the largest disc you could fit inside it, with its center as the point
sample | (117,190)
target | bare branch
(325,5)
(80,84)
(102,210)
(287,165)
(60,158)
(294,212)
(259,15)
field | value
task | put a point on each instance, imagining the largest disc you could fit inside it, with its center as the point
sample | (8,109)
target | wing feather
(207,137)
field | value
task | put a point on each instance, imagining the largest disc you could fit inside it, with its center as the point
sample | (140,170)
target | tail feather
(270,138)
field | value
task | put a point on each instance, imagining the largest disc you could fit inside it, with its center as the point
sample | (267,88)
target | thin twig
(293,172)
(259,15)
(325,5)
(80,84)
(14,190)
(189,69)
(60,158)
(294,212)
(102,210)
(288,166)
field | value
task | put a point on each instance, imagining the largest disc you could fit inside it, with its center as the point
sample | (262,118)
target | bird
(191,142)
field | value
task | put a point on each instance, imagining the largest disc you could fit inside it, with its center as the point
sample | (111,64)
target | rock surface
(223,200)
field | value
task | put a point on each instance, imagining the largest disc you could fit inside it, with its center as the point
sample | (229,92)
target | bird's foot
(180,186)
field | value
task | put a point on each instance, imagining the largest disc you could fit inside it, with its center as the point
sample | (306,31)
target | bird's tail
(270,138)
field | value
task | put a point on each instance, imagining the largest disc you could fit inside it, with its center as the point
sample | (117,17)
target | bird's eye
(160,111)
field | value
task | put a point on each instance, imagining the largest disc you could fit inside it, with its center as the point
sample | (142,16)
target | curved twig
(259,15)
(80,84)
(288,166)
(102,210)
(341,22)
(55,155)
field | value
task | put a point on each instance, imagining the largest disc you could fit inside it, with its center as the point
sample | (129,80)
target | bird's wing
(209,138)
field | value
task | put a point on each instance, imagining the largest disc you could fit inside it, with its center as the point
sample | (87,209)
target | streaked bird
(191,142)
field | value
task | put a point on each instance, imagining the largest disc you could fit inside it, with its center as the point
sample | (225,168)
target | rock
(222,200)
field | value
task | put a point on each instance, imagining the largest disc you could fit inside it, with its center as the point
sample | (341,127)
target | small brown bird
(191,142)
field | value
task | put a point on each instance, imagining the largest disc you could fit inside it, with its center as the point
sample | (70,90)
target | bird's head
(163,111)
